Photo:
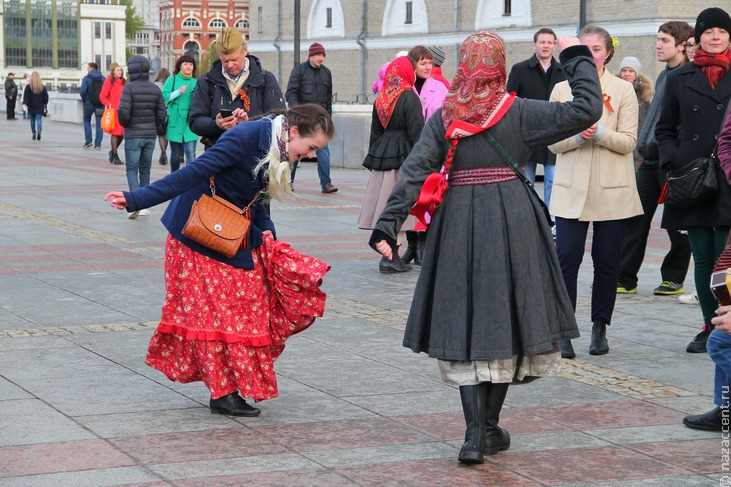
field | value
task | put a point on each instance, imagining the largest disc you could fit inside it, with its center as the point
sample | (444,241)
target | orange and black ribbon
(246,100)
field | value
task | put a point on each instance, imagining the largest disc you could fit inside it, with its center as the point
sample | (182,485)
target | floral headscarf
(477,96)
(399,77)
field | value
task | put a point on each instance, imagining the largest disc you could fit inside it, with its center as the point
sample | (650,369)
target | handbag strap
(507,158)
(247,207)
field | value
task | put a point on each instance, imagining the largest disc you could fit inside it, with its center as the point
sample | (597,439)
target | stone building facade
(360,36)
(188,26)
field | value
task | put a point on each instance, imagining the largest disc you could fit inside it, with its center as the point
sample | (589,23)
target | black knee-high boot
(410,254)
(497,439)
(473,406)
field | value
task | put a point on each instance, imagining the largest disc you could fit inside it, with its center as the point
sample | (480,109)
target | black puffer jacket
(142,107)
(211,94)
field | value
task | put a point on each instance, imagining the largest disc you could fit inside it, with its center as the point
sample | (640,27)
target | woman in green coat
(178,92)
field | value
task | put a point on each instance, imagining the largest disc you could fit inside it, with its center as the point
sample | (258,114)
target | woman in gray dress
(490,302)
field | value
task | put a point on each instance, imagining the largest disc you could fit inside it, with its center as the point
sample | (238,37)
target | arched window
(493,14)
(242,24)
(191,23)
(405,17)
(217,23)
(325,20)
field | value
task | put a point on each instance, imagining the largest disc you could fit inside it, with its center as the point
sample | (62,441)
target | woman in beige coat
(595,182)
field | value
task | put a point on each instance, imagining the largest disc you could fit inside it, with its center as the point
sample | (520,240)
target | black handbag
(692,183)
(514,166)
(695,182)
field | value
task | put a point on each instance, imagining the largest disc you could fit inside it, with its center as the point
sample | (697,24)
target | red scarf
(399,77)
(478,97)
(714,66)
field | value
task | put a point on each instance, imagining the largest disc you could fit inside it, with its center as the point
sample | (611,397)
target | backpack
(95,90)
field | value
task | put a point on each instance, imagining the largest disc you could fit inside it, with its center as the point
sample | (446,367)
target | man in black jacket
(535,78)
(236,83)
(141,111)
(311,82)
(11,95)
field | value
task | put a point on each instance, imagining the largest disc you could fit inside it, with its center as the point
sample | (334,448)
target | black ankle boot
(410,254)
(497,439)
(473,406)
(599,344)
(233,405)
(393,266)
(710,421)
(567,349)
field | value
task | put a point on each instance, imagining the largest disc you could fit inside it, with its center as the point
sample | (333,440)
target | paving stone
(30,421)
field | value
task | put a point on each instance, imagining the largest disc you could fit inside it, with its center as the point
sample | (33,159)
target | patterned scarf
(399,77)
(477,98)
(714,66)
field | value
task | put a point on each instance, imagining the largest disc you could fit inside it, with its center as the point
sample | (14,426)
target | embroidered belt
(481,175)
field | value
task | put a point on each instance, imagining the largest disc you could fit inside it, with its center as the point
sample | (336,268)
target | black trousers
(606,247)
(675,264)
(11,107)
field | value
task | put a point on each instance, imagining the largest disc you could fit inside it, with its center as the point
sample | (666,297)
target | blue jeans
(89,111)
(36,121)
(138,161)
(548,172)
(606,250)
(719,349)
(177,148)
(323,166)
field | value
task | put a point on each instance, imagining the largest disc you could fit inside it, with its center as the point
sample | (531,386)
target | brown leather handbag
(218,224)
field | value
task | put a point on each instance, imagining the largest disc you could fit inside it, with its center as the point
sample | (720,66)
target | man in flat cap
(236,83)
(312,82)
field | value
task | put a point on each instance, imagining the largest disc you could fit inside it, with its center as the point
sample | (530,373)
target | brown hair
(678,30)
(544,30)
(596,30)
(112,67)
(162,75)
(417,53)
(309,118)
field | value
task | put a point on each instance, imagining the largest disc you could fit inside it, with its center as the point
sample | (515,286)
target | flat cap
(229,40)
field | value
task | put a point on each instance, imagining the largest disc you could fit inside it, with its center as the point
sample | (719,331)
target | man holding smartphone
(235,88)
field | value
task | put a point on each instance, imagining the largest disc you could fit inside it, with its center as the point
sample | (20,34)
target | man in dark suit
(535,78)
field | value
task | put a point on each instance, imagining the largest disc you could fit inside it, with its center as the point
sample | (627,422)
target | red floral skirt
(224,325)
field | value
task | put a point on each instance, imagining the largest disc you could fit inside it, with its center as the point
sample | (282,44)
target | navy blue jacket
(231,161)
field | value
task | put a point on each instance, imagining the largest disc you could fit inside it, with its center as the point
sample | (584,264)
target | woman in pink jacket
(109,96)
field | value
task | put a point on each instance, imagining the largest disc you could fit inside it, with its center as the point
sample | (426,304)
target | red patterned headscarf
(399,77)
(477,97)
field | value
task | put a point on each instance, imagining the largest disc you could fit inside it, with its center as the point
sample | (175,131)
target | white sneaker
(688,298)
(144,212)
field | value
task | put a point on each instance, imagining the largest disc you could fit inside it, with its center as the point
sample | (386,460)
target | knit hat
(229,40)
(710,18)
(632,63)
(437,55)
(317,48)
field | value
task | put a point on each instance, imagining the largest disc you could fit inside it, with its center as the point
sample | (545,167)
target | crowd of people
(612,139)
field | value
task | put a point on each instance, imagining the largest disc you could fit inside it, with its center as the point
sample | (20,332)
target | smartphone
(225,113)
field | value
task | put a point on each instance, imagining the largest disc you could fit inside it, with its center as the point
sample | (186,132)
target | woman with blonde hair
(110,96)
(595,183)
(35,97)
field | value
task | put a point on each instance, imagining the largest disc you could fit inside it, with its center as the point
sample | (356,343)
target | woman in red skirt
(225,319)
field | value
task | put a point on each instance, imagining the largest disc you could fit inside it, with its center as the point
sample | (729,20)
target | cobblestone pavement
(80,292)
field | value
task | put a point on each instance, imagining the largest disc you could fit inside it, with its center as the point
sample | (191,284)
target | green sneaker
(668,288)
(623,290)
